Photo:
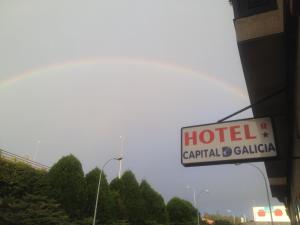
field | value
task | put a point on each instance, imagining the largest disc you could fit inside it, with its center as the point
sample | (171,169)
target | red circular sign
(261,213)
(278,212)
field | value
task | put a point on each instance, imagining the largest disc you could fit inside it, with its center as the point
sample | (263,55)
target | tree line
(66,196)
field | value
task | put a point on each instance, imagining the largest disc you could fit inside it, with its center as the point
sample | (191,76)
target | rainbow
(122,61)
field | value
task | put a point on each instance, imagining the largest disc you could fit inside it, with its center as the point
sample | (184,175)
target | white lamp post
(233,215)
(100,176)
(194,195)
(266,186)
(121,155)
(194,199)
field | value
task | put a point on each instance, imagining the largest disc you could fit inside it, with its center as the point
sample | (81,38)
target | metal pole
(254,104)
(100,176)
(195,203)
(266,186)
(198,222)
(231,215)
(203,191)
(267,190)
(96,205)
(121,155)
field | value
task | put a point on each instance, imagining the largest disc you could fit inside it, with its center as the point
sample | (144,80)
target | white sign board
(228,142)
(262,214)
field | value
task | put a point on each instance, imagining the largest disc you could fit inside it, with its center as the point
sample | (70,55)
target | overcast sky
(75,75)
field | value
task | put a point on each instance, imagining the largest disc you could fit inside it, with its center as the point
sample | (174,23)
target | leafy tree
(181,211)
(67,185)
(155,209)
(31,210)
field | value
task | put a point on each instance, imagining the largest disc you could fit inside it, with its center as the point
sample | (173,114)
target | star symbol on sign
(265,134)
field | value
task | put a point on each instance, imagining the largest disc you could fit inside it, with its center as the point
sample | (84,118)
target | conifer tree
(67,185)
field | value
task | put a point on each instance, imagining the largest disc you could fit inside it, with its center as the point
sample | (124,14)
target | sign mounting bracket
(277,92)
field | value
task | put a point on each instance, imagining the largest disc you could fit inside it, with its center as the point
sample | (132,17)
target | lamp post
(194,199)
(253,205)
(121,156)
(100,176)
(233,215)
(266,186)
(194,195)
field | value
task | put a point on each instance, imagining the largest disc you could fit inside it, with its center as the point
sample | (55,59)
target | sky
(77,75)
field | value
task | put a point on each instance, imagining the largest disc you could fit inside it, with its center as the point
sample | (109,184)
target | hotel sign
(228,142)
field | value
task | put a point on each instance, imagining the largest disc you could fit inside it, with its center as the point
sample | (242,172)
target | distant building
(208,221)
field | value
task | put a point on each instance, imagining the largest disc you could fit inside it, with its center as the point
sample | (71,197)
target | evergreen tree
(17,179)
(106,199)
(181,211)
(67,185)
(132,199)
(116,184)
(155,209)
(31,210)
(120,209)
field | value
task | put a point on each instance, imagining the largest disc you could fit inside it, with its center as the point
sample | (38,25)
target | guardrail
(16,158)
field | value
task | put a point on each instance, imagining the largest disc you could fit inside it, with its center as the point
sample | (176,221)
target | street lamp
(100,176)
(203,191)
(266,186)
(194,198)
(233,215)
(121,155)
(194,195)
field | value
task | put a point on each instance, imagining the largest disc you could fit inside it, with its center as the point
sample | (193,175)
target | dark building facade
(267,33)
